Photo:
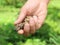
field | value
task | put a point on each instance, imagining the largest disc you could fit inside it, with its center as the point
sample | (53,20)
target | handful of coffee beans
(21,25)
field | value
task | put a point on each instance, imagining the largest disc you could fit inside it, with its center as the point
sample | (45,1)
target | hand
(37,8)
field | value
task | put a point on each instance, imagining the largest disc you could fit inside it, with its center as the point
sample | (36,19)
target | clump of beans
(21,25)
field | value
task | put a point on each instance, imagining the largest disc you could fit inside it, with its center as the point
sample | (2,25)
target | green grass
(48,34)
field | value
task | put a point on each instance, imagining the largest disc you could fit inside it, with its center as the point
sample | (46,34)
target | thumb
(21,17)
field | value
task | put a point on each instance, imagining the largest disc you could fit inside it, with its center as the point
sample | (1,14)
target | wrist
(33,0)
(45,1)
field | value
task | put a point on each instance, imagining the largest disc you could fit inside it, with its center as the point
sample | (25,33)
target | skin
(37,8)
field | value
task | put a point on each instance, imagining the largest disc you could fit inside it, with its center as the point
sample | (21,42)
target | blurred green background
(48,34)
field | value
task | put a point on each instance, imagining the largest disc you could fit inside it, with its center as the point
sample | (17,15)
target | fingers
(36,22)
(20,31)
(26,29)
(21,17)
(32,25)
(41,17)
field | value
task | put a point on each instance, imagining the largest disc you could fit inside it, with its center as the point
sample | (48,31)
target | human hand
(37,8)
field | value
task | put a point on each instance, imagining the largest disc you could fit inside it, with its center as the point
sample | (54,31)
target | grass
(48,34)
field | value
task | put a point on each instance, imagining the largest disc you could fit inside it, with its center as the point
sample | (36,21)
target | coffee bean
(21,25)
